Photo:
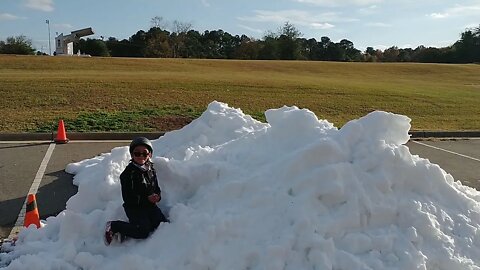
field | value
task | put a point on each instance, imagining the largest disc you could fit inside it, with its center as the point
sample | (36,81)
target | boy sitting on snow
(141,193)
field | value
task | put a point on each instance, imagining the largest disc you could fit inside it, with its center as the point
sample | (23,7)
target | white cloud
(254,30)
(378,24)
(460,10)
(439,15)
(321,25)
(457,11)
(43,5)
(9,17)
(298,17)
(205,3)
(336,3)
(368,10)
(62,26)
(381,47)
(270,16)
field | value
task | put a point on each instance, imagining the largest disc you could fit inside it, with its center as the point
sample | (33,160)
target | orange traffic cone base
(31,214)
(61,134)
(61,141)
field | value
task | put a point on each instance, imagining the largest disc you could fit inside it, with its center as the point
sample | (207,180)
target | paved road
(20,161)
(460,158)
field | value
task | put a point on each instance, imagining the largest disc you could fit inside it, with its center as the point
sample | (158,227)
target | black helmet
(141,141)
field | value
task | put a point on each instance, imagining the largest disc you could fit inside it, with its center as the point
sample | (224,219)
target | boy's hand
(154,198)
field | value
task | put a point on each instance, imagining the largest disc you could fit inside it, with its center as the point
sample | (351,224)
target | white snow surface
(292,193)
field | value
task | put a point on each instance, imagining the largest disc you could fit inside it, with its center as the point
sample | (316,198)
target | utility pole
(49,45)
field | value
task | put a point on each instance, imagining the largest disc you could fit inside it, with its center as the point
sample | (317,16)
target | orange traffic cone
(61,134)
(31,214)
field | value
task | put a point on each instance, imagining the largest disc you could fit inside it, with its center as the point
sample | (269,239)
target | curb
(445,134)
(155,135)
(79,136)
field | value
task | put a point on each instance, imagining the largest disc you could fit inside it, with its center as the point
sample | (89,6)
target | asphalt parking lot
(20,164)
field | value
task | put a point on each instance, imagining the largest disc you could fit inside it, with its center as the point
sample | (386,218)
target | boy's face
(141,154)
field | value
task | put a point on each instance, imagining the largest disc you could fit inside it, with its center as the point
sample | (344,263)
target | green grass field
(125,94)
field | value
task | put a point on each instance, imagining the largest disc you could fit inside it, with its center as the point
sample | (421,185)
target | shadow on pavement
(51,200)
(22,145)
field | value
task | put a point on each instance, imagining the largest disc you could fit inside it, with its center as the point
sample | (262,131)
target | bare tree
(181,27)
(179,36)
(158,22)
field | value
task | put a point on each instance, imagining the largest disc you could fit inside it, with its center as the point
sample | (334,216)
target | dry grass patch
(36,91)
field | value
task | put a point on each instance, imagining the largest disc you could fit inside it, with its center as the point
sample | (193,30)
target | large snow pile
(293,193)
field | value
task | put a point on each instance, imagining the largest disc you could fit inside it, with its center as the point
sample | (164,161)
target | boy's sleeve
(128,189)
(155,184)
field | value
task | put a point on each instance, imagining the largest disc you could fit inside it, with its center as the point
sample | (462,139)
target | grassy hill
(126,94)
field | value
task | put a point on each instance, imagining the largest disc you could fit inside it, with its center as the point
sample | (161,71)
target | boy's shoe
(108,236)
(118,237)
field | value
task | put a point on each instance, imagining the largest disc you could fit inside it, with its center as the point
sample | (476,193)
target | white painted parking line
(23,142)
(448,151)
(33,190)
(78,141)
(41,170)
(101,141)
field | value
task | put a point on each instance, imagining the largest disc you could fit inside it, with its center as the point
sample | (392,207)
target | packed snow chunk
(292,193)
(379,126)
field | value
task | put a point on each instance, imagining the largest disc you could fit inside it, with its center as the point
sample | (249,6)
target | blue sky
(377,23)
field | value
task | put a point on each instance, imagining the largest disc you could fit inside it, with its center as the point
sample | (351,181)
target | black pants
(142,221)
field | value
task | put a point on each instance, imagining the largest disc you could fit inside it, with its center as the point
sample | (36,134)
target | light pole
(49,46)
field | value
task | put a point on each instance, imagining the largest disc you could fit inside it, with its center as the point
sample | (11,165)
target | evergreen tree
(467,49)
(17,45)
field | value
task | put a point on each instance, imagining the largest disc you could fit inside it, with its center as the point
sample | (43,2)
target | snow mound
(293,193)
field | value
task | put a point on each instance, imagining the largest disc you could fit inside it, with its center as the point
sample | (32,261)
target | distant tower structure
(64,44)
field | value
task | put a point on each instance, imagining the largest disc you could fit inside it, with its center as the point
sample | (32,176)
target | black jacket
(138,184)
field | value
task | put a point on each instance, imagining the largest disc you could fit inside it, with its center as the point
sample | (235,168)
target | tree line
(284,44)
